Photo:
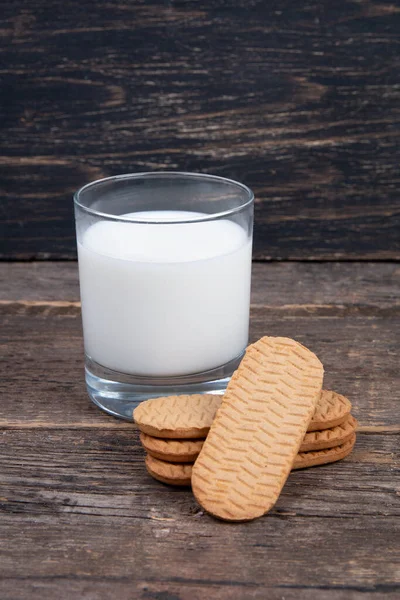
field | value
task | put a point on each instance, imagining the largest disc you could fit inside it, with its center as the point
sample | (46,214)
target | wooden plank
(79,470)
(305,286)
(349,314)
(42,358)
(86,516)
(299,102)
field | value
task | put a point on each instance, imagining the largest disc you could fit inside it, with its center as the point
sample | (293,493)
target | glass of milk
(164,269)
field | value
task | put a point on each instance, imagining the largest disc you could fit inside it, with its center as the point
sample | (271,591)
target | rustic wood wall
(300,101)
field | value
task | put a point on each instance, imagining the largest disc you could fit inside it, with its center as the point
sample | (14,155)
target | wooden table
(82,519)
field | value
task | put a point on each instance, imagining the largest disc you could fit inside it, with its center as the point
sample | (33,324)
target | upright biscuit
(258,429)
(322,457)
(331,410)
(329,438)
(178,417)
(179,451)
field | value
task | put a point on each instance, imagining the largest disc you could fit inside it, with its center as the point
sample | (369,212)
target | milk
(165,299)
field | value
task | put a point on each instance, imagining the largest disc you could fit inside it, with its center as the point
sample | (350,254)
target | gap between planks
(72,308)
(128,426)
(117,426)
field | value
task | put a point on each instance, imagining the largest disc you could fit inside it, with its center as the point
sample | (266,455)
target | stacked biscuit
(237,450)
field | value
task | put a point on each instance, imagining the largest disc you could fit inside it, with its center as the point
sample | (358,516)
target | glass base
(118,394)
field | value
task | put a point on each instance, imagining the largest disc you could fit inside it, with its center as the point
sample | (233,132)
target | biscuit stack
(273,417)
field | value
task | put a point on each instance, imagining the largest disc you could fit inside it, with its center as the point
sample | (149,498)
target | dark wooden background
(299,100)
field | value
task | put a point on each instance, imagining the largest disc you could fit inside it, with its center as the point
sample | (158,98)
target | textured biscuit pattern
(172,450)
(178,417)
(329,438)
(322,457)
(331,410)
(258,429)
(172,473)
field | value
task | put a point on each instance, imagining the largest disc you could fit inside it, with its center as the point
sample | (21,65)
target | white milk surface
(164,299)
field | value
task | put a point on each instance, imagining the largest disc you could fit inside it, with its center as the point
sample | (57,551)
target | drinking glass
(164,270)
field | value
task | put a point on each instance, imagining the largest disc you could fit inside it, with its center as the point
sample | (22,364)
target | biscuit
(178,417)
(323,457)
(172,473)
(188,450)
(331,410)
(329,438)
(163,414)
(171,450)
(180,474)
(258,429)
(175,414)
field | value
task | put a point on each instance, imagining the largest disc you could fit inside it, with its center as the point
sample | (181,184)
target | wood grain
(300,102)
(91,520)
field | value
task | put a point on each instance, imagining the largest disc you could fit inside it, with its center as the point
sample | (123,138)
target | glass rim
(172,175)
